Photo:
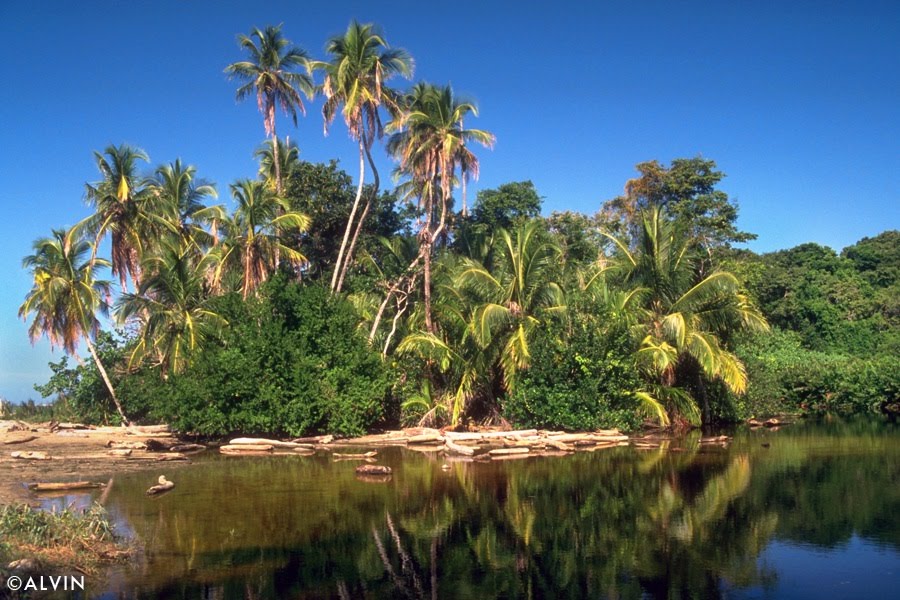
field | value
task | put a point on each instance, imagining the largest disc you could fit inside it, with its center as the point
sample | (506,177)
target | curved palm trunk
(359,224)
(350,219)
(106,380)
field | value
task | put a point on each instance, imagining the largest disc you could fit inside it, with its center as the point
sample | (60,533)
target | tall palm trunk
(350,219)
(106,380)
(348,260)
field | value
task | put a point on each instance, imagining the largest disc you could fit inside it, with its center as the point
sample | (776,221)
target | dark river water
(809,511)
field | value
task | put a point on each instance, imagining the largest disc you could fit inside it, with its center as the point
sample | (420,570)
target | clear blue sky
(798,103)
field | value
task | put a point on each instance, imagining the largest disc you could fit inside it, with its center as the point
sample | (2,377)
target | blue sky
(796,101)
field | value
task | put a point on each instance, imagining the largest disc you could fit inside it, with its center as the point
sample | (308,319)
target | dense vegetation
(317,304)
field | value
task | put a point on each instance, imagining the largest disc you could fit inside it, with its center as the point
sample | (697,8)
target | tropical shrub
(785,377)
(291,362)
(581,377)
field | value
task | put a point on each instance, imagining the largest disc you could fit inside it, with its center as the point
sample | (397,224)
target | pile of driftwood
(477,445)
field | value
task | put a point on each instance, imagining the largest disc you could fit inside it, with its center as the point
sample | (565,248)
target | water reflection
(681,521)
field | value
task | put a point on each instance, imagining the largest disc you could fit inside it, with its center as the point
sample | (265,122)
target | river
(811,510)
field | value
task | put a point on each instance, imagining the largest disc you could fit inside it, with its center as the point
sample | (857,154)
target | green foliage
(786,377)
(505,207)
(581,377)
(80,390)
(827,301)
(687,191)
(291,362)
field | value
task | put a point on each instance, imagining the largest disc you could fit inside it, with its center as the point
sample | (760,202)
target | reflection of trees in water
(680,521)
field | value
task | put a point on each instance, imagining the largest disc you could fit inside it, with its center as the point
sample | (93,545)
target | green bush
(787,378)
(291,362)
(581,377)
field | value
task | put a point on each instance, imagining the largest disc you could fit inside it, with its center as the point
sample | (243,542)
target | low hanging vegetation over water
(320,304)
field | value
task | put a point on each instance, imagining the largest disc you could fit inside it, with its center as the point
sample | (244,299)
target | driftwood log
(244,441)
(118,445)
(20,440)
(120,452)
(452,446)
(508,451)
(31,455)
(246,448)
(164,485)
(61,487)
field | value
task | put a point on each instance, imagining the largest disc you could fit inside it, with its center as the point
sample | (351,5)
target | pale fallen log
(70,426)
(574,437)
(452,446)
(373,470)
(316,439)
(502,434)
(360,456)
(244,441)
(60,487)
(236,449)
(145,429)
(164,485)
(20,440)
(601,446)
(31,455)
(117,445)
(772,423)
(304,451)
(171,457)
(426,438)
(559,445)
(463,436)
(508,451)
(120,452)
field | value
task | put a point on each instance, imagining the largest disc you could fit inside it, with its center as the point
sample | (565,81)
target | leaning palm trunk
(106,380)
(350,219)
(359,225)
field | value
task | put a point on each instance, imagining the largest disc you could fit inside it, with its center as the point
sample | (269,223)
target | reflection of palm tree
(66,297)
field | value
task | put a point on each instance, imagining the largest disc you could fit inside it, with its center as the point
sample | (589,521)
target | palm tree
(686,313)
(270,74)
(119,201)
(172,306)
(252,233)
(361,62)
(179,208)
(65,296)
(288,157)
(430,144)
(512,295)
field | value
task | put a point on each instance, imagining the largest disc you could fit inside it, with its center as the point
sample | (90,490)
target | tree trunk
(277,189)
(106,380)
(429,325)
(349,228)
(348,259)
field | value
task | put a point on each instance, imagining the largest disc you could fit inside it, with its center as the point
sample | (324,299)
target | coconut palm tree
(252,240)
(288,160)
(430,143)
(178,204)
(360,64)
(172,307)
(270,74)
(686,313)
(120,209)
(65,297)
(512,295)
